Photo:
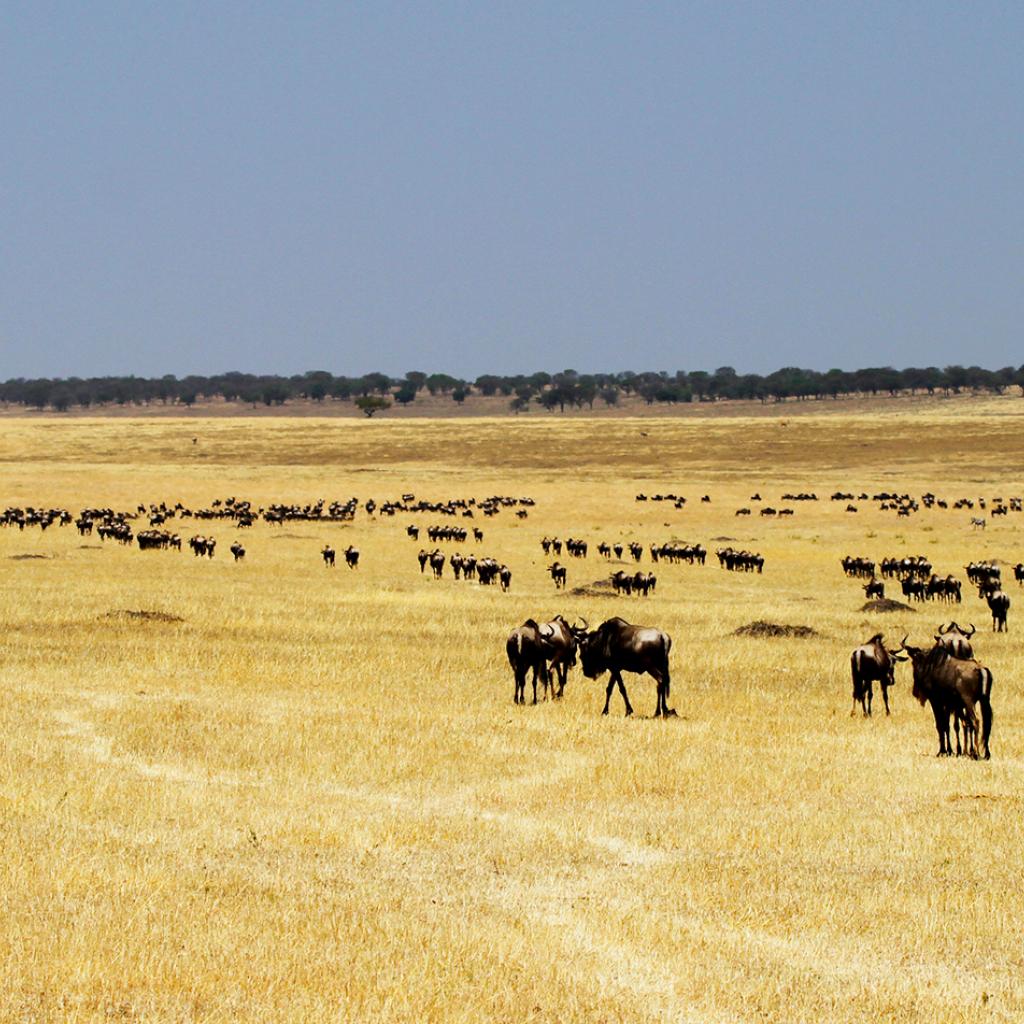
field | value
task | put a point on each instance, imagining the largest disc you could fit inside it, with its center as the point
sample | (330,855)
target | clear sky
(505,187)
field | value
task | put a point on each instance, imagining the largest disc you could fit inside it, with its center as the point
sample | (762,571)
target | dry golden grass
(313,799)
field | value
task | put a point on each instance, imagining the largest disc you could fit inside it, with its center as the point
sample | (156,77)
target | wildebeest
(422,558)
(328,555)
(558,574)
(351,557)
(436,559)
(999,605)
(560,640)
(870,662)
(953,686)
(876,588)
(526,650)
(1018,573)
(504,577)
(956,640)
(238,551)
(616,646)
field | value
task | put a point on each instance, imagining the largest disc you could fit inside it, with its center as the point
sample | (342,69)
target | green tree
(371,404)
(406,393)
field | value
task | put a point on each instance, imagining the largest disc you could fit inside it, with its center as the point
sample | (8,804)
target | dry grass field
(292,794)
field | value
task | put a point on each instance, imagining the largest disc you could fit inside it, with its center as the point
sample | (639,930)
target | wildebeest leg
(986,724)
(617,678)
(869,692)
(885,697)
(970,732)
(942,728)
(664,686)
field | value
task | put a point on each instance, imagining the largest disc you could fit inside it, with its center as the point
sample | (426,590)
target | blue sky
(491,187)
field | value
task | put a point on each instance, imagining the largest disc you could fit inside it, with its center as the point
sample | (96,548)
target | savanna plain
(290,793)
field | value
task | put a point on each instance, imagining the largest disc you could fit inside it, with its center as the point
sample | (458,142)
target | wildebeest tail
(986,682)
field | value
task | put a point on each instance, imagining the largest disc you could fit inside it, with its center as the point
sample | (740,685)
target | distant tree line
(554,392)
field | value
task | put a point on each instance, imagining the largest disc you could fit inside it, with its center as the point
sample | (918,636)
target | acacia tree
(371,404)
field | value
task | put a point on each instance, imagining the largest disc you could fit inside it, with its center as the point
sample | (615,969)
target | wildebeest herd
(946,674)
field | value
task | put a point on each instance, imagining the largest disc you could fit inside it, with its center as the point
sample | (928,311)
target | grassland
(295,794)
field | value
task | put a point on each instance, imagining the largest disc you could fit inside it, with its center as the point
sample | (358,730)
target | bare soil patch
(761,628)
(22,558)
(885,604)
(599,588)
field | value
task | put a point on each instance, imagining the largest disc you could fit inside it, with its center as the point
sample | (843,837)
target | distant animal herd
(946,675)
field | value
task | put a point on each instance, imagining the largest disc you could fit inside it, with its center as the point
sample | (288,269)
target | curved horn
(584,626)
(943,630)
(903,642)
(969,635)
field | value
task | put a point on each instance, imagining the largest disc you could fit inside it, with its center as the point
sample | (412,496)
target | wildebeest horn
(943,630)
(969,635)
(903,642)
(584,626)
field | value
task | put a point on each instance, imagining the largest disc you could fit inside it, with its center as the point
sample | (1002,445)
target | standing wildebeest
(527,649)
(558,574)
(328,555)
(956,640)
(876,588)
(422,558)
(999,604)
(351,557)
(869,662)
(1018,573)
(616,646)
(437,563)
(560,640)
(238,551)
(953,686)
(504,577)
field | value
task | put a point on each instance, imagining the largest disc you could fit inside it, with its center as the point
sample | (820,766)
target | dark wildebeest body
(560,639)
(953,687)
(956,640)
(999,605)
(869,663)
(238,551)
(558,574)
(527,650)
(616,646)
(328,556)
(351,557)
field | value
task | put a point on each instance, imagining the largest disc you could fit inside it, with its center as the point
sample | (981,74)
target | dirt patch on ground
(761,628)
(126,615)
(885,604)
(293,536)
(22,558)
(599,588)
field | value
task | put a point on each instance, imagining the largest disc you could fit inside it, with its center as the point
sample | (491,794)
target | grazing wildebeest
(526,650)
(869,662)
(1018,573)
(616,646)
(999,605)
(876,588)
(977,522)
(953,687)
(560,640)
(558,574)
(413,531)
(238,551)
(351,557)
(328,555)
(956,640)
